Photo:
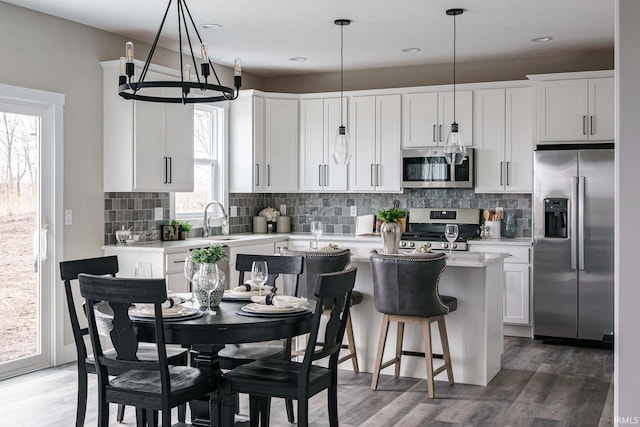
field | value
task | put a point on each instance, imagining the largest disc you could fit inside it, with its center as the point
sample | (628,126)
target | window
(209,127)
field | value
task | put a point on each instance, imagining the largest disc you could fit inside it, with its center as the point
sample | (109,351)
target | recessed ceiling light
(210,26)
(542,39)
(298,58)
(412,49)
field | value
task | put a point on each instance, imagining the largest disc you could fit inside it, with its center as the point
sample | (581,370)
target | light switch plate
(354,211)
(233,211)
(283,210)
(68,217)
(499,209)
(158,214)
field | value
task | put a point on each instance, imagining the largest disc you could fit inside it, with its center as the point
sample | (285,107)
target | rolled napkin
(280,301)
(171,306)
(422,249)
(249,286)
(330,247)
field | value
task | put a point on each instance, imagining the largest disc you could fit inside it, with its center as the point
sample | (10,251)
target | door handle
(584,125)
(166,167)
(506,173)
(440,133)
(591,125)
(326,175)
(257,174)
(268,175)
(434,133)
(378,174)
(371,176)
(581,223)
(574,222)
(501,171)
(170,170)
(320,175)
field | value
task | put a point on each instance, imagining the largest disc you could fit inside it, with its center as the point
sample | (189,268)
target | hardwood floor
(539,385)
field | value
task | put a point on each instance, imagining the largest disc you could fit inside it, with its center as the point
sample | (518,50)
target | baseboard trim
(523,331)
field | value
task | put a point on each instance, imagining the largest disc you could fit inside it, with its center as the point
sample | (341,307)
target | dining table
(207,334)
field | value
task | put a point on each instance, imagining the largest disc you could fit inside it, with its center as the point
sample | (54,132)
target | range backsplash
(136,210)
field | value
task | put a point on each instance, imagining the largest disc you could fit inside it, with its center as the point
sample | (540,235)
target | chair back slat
(277,265)
(331,288)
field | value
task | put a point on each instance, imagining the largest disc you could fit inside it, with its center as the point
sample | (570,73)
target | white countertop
(460,259)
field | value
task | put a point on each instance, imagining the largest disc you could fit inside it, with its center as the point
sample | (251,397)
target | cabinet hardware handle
(179,262)
(166,170)
(326,175)
(170,170)
(591,125)
(573,229)
(434,133)
(257,174)
(371,173)
(320,175)
(584,125)
(440,133)
(268,175)
(378,175)
(507,172)
(501,171)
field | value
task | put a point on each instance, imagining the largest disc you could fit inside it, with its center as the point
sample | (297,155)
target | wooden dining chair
(284,378)
(149,384)
(235,355)
(101,266)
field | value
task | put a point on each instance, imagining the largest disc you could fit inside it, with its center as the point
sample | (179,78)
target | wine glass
(143,270)
(209,284)
(316,230)
(451,233)
(259,274)
(190,269)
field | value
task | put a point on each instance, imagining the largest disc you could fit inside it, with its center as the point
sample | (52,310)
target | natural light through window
(208,140)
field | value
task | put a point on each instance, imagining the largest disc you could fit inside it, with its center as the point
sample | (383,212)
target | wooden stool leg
(352,346)
(399,339)
(442,327)
(384,329)
(426,331)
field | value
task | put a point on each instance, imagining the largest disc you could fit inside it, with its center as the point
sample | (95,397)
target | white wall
(627,334)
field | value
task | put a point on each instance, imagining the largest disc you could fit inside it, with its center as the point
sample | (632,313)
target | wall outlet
(354,211)
(283,210)
(233,211)
(68,217)
(499,209)
(158,214)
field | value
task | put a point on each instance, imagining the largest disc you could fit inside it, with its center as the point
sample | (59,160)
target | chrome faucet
(225,223)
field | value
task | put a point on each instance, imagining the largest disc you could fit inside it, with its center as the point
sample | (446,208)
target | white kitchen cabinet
(576,109)
(263,148)
(427,118)
(517,281)
(375,123)
(148,146)
(319,122)
(503,134)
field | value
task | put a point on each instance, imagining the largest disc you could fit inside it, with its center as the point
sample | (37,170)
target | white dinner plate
(262,308)
(176,311)
(240,296)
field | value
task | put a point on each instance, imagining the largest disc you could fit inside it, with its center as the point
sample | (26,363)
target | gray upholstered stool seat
(356,298)
(405,290)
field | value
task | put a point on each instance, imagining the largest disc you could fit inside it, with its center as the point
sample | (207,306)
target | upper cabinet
(375,136)
(263,148)
(148,146)
(319,122)
(503,132)
(427,117)
(576,109)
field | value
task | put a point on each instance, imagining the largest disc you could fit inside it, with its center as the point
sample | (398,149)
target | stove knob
(429,244)
(455,245)
(411,244)
(403,244)
(445,245)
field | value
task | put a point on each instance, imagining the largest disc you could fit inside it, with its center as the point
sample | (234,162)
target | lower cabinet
(517,279)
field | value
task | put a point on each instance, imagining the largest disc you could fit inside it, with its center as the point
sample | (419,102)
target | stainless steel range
(426,227)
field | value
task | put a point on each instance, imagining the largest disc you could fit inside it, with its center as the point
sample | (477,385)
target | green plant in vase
(209,280)
(183,227)
(391,230)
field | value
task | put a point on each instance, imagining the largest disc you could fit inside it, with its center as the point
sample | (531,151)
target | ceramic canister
(284,224)
(259,224)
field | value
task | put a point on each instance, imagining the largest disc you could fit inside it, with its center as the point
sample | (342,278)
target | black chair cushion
(451,302)
(235,355)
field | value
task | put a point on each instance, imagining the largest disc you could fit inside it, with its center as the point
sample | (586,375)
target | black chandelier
(128,89)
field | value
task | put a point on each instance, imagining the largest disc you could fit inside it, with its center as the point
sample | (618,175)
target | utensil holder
(494,228)
(259,224)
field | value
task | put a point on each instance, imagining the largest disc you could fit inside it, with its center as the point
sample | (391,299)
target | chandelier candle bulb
(204,50)
(187,72)
(129,51)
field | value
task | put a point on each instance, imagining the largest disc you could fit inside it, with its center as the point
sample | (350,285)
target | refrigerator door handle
(574,222)
(581,223)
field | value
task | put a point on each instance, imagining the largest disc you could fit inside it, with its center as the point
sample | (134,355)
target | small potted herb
(182,228)
(391,230)
(210,255)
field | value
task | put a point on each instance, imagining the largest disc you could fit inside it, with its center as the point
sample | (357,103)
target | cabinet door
(490,139)
(176,282)
(562,110)
(516,293)
(420,121)
(149,141)
(334,176)
(388,122)
(257,249)
(281,144)
(463,115)
(601,108)
(259,168)
(179,147)
(363,139)
(312,147)
(518,174)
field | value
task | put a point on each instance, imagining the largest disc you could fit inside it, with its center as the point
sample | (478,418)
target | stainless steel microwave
(428,168)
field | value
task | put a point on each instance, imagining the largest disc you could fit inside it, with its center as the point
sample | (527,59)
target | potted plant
(209,281)
(182,228)
(391,230)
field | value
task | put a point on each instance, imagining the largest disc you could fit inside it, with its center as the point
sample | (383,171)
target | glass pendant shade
(341,151)
(454,151)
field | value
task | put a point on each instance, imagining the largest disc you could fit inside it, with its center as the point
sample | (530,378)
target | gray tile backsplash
(136,210)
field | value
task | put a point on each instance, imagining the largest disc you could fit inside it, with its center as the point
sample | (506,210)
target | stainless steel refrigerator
(573,229)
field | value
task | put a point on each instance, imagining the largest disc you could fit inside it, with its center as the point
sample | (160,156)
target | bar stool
(320,262)
(405,290)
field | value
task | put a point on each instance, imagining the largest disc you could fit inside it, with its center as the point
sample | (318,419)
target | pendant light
(454,151)
(341,151)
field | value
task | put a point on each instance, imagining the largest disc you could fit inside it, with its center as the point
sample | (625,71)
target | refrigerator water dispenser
(555,217)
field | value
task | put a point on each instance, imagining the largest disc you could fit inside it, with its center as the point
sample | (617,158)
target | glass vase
(510,225)
(209,277)
(391,231)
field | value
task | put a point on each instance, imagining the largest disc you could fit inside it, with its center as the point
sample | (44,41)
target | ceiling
(265,34)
